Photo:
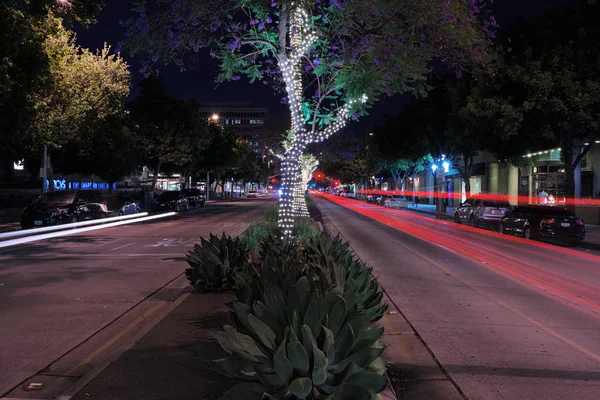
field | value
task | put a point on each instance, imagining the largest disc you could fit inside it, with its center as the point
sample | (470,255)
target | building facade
(247,120)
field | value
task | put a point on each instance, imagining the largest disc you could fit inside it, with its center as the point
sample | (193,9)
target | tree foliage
(85,88)
(361,48)
(546,91)
(24,63)
(171,133)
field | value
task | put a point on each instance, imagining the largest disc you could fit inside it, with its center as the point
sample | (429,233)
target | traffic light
(319,175)
(273,180)
(336,183)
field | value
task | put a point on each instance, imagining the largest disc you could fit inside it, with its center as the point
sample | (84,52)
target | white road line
(121,247)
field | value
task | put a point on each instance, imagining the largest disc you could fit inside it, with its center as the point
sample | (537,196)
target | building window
(257,121)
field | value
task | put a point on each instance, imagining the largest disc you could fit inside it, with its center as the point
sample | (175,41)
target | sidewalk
(172,360)
(592,232)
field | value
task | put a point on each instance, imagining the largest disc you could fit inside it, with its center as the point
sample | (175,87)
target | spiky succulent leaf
(301,387)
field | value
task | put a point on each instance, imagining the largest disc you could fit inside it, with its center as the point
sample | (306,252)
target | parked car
(373,198)
(482,211)
(252,194)
(129,206)
(171,201)
(544,222)
(195,197)
(349,194)
(394,201)
(65,206)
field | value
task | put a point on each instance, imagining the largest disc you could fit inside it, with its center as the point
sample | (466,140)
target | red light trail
(535,264)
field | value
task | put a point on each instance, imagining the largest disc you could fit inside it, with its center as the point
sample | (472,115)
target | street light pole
(45,168)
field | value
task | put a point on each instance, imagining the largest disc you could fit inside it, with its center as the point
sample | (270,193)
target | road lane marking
(122,247)
(116,337)
(396,337)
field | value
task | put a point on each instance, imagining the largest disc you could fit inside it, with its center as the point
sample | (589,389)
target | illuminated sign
(61,184)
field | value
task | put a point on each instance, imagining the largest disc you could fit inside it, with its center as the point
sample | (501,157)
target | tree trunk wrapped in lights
(329,57)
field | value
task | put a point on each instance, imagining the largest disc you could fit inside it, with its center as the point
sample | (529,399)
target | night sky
(199,83)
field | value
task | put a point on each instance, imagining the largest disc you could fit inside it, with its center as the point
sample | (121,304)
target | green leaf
(370,381)
(262,312)
(319,372)
(314,316)
(301,387)
(274,299)
(236,368)
(246,391)
(262,330)
(298,357)
(282,364)
(337,317)
(344,343)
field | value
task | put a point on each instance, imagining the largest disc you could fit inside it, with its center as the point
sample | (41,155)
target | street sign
(42,173)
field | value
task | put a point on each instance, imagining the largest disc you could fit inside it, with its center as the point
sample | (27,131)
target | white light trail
(29,239)
(35,231)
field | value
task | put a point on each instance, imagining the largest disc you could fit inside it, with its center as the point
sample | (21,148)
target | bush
(305,228)
(303,325)
(253,235)
(214,263)
(272,215)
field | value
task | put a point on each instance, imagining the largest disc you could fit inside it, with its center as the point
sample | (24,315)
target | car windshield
(398,198)
(167,196)
(55,198)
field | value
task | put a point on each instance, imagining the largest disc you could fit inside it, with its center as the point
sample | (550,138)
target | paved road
(507,318)
(57,293)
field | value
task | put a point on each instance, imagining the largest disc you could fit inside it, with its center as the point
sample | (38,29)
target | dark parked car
(195,197)
(544,222)
(65,206)
(482,211)
(172,201)
(373,198)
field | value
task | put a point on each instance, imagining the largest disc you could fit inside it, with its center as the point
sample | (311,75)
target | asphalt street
(507,318)
(57,294)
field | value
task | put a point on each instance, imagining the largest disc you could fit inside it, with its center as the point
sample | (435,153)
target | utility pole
(44,169)
(207,186)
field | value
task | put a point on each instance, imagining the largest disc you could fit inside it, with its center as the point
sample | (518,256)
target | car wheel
(177,208)
(527,233)
(501,228)
(202,205)
(120,213)
(457,218)
(137,210)
(74,219)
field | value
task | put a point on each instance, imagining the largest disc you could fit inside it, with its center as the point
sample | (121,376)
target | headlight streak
(35,238)
(27,232)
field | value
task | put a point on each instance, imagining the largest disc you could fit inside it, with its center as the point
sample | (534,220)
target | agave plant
(214,263)
(307,342)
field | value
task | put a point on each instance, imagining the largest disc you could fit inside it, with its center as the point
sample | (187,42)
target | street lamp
(446,166)
(434,167)
(215,117)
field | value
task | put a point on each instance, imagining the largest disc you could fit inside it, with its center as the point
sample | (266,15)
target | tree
(332,60)
(109,152)
(86,88)
(25,66)
(171,133)
(550,66)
